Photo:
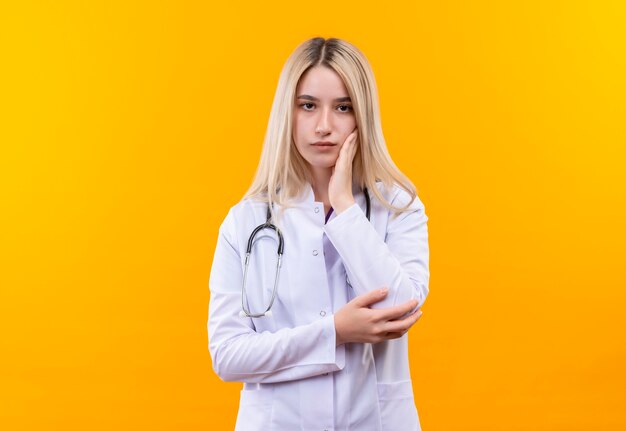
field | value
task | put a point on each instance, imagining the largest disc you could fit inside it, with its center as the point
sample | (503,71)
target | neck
(321,179)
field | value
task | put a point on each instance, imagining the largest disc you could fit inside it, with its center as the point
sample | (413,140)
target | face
(322,113)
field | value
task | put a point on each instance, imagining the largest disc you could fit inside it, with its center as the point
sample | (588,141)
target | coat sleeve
(398,261)
(240,353)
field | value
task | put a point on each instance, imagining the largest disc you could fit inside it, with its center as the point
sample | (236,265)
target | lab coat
(294,375)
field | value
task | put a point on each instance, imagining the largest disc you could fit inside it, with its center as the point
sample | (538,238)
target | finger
(393,335)
(353,139)
(350,148)
(404,324)
(343,153)
(389,336)
(348,143)
(353,135)
(397,311)
(370,297)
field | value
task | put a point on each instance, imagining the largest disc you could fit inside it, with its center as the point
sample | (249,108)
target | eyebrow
(315,99)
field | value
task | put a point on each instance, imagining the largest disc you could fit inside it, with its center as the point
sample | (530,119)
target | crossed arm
(400,264)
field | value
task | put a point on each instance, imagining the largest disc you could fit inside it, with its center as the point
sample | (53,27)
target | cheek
(295,133)
(298,126)
(350,125)
(347,127)
(297,137)
(300,131)
(346,133)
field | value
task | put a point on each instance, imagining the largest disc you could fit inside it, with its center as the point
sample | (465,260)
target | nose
(323,122)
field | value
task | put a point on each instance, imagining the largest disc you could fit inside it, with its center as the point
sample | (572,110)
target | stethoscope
(245,312)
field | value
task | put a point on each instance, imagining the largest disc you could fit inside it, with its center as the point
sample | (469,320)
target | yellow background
(129,128)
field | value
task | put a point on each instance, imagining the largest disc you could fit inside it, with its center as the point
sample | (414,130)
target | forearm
(241,354)
(371,263)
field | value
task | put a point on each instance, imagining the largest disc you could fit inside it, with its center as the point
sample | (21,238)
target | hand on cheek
(340,186)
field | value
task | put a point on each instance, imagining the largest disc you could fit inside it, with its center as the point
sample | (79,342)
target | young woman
(322,267)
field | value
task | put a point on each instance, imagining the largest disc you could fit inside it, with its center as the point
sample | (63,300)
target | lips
(324,144)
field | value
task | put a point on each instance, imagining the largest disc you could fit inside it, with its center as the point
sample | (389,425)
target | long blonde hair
(283,173)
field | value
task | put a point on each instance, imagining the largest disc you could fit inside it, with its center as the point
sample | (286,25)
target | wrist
(338,340)
(343,204)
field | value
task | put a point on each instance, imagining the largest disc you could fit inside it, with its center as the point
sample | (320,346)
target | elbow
(226,377)
(227,364)
(222,371)
(220,364)
(218,369)
(413,287)
(420,290)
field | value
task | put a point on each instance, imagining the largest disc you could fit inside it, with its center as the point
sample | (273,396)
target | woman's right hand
(355,322)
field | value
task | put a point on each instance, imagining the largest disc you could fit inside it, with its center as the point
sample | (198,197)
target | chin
(322,163)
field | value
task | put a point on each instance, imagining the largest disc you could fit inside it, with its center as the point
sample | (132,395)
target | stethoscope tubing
(245,311)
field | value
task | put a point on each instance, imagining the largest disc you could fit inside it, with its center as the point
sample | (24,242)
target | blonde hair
(282,168)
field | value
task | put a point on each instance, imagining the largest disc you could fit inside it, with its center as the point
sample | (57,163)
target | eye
(348,108)
(302,105)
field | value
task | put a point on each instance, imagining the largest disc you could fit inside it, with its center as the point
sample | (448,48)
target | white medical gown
(294,376)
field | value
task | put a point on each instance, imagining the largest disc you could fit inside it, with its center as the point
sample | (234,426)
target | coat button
(322,313)
(314,252)
(317,209)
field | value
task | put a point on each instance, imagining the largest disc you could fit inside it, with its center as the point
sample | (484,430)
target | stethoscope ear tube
(368,204)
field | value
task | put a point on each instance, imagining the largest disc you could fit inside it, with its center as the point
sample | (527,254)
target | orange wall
(128,130)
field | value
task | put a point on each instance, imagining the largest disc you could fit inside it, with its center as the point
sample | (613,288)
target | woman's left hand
(340,185)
